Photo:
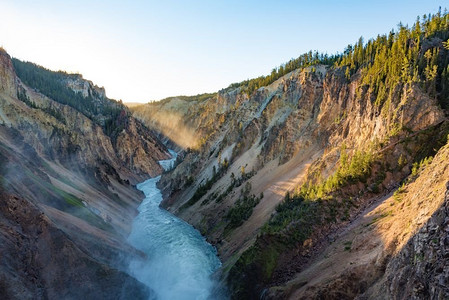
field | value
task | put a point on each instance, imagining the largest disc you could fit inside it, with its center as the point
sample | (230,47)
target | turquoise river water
(180,261)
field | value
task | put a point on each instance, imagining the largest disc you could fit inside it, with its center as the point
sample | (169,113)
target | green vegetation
(69,204)
(110,114)
(419,54)
(243,208)
(199,98)
(305,60)
(235,182)
(69,198)
(402,161)
(296,218)
(52,84)
(378,217)
(270,257)
(411,55)
(349,171)
(348,245)
(55,113)
(204,188)
(417,167)
(201,191)
(259,262)
(294,212)
(397,195)
(189,181)
(22,96)
(117,121)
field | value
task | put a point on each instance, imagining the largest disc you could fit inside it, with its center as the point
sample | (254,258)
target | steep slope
(67,193)
(275,169)
(173,119)
(40,261)
(127,137)
(282,144)
(394,249)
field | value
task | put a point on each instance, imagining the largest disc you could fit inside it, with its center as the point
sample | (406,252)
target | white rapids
(180,261)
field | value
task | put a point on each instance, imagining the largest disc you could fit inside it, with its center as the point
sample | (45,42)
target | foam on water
(180,261)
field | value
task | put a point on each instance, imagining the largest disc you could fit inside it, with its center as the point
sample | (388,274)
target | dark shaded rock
(421,269)
(39,261)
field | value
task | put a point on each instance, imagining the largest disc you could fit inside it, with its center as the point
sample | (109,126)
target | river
(180,261)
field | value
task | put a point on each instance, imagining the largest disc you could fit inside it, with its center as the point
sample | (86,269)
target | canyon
(290,131)
(327,179)
(67,194)
(319,183)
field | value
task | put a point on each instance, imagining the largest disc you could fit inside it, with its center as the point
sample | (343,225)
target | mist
(180,263)
(172,125)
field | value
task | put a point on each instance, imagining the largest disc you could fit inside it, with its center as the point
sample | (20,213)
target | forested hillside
(283,163)
(383,67)
(72,90)
(405,55)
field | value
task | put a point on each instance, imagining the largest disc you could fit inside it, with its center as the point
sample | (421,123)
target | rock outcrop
(419,270)
(40,261)
(67,194)
(291,133)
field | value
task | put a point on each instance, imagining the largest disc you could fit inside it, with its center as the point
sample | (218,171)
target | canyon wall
(250,151)
(67,192)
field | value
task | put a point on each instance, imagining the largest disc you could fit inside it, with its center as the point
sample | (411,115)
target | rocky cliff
(273,176)
(67,193)
(81,108)
(41,261)
(419,270)
(393,249)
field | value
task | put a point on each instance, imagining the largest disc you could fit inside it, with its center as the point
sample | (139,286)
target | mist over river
(180,261)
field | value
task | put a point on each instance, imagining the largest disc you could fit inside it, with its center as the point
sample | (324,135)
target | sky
(148,50)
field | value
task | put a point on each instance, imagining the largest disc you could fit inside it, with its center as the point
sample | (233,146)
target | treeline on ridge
(416,56)
(419,54)
(110,114)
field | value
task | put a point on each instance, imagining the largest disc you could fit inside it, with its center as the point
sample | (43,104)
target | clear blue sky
(148,50)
